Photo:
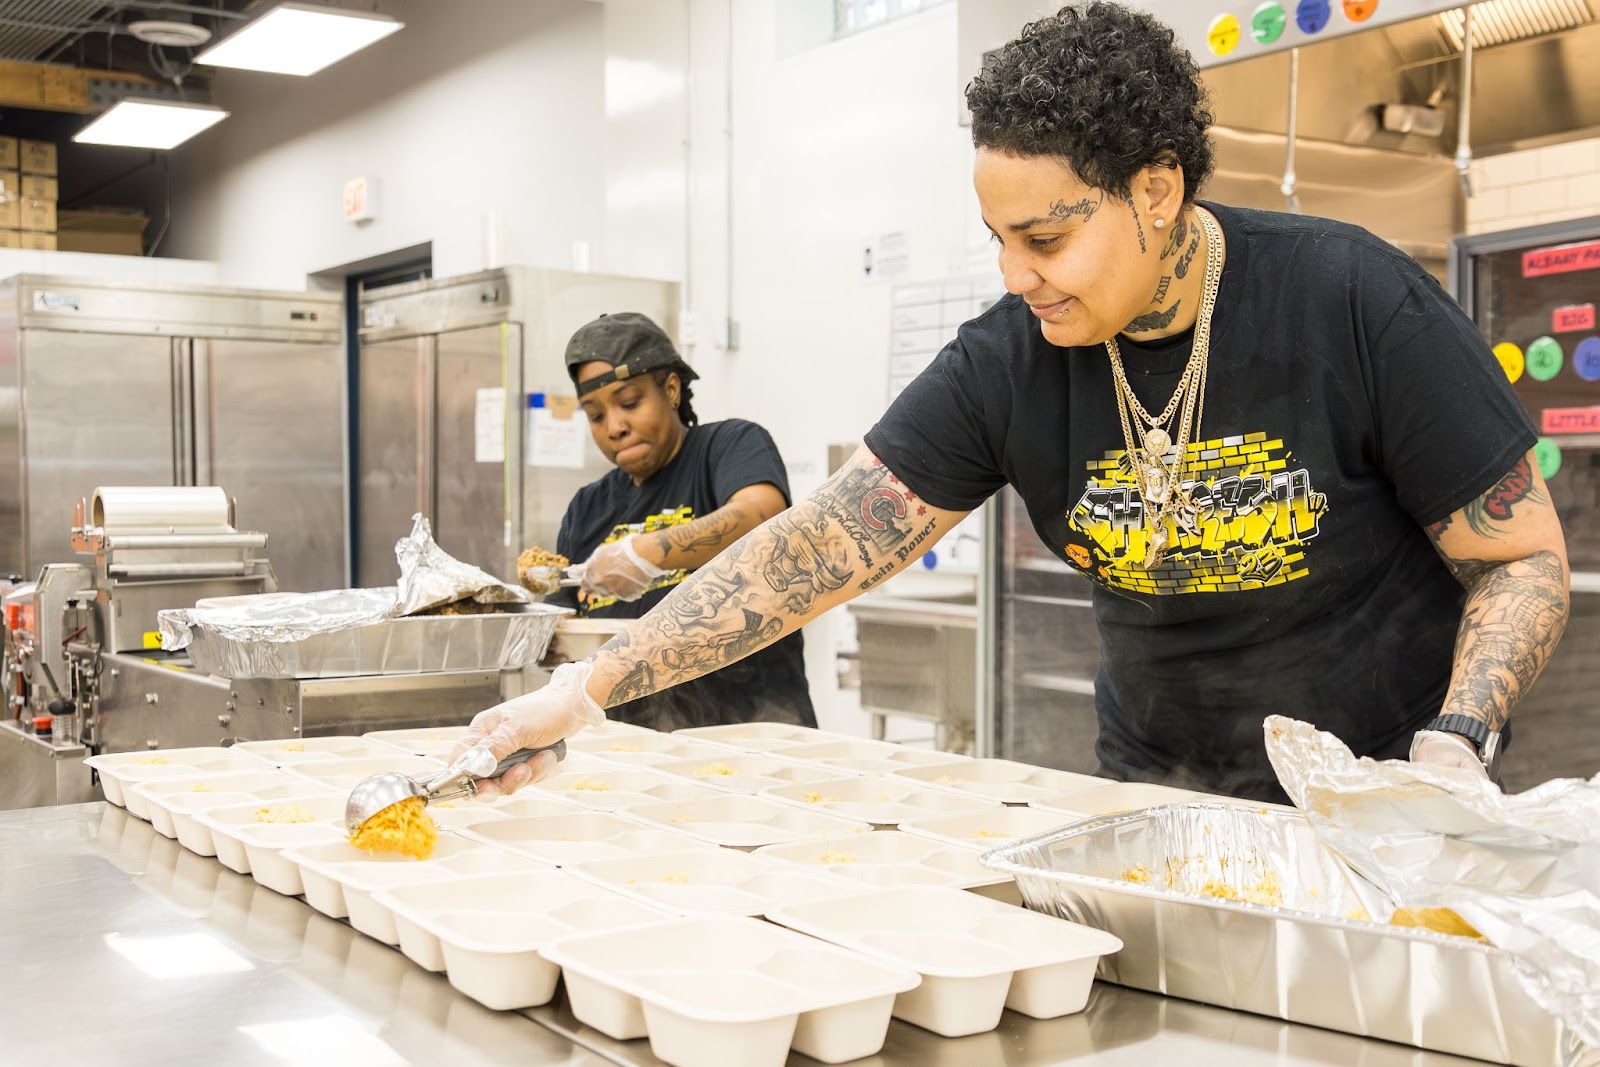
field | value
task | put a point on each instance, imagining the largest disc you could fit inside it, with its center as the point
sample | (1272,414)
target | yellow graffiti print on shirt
(661,520)
(1255,516)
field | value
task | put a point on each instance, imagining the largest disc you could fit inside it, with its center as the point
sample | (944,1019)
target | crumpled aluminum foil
(1524,869)
(429,576)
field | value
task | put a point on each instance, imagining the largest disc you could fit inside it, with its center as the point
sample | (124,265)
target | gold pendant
(1154,486)
(1156,548)
(1157,442)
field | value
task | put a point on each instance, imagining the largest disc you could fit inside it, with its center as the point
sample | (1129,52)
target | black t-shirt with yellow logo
(716,461)
(1350,402)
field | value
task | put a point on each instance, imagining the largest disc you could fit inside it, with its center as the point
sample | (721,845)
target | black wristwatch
(1485,740)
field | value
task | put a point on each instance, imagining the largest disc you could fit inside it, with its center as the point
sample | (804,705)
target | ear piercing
(1160,223)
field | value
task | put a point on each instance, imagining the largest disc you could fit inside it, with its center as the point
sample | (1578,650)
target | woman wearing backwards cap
(1287,463)
(681,493)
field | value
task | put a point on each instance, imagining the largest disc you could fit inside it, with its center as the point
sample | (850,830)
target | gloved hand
(617,570)
(540,581)
(1438,748)
(533,720)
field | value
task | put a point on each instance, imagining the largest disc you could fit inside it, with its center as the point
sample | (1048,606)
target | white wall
(478,106)
(1551,184)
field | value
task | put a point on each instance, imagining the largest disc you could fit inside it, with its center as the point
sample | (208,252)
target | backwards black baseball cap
(631,343)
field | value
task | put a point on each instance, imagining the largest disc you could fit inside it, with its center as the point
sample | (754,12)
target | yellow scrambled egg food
(293,746)
(285,813)
(589,785)
(404,827)
(201,787)
(151,760)
(721,769)
(836,857)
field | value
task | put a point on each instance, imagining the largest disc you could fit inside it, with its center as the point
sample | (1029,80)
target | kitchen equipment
(460,779)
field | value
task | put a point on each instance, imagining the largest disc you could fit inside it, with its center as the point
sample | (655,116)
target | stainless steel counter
(122,947)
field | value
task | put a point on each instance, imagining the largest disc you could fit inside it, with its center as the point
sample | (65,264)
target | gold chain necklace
(1154,458)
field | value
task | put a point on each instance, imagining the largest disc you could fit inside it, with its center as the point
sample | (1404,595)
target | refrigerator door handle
(203,412)
(182,413)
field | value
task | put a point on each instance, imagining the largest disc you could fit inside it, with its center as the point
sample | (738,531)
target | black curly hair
(1104,87)
(686,413)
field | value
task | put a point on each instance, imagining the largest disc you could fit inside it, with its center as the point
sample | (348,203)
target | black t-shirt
(1350,402)
(715,462)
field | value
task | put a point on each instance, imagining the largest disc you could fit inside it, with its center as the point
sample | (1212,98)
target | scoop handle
(526,754)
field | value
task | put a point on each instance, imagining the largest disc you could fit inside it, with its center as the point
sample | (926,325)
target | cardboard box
(37,215)
(9,153)
(10,215)
(37,157)
(10,186)
(38,242)
(115,233)
(10,239)
(38,187)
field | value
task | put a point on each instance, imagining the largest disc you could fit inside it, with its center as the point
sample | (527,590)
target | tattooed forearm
(1515,615)
(859,528)
(1061,211)
(685,546)
(1154,320)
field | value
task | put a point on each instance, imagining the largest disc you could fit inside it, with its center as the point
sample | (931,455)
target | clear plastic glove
(540,581)
(617,570)
(533,720)
(1440,749)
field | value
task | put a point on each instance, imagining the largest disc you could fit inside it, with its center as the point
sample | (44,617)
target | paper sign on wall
(1573,317)
(555,435)
(1542,261)
(489,427)
(1570,420)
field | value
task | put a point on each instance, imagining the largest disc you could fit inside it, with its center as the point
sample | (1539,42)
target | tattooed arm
(1508,550)
(693,544)
(860,528)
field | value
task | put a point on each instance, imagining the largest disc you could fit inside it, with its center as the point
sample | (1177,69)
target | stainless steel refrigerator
(106,383)
(451,373)
(1534,293)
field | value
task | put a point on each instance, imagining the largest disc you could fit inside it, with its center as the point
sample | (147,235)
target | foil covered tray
(504,640)
(1176,884)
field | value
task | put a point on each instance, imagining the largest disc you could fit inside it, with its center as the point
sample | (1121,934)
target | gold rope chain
(1160,482)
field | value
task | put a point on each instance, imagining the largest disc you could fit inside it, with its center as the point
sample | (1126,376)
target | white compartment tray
(435,742)
(247,841)
(642,748)
(486,930)
(988,828)
(714,881)
(120,770)
(859,755)
(605,787)
(744,822)
(976,956)
(743,772)
(729,992)
(345,774)
(287,752)
(881,801)
(759,736)
(889,858)
(1002,780)
(171,800)
(577,836)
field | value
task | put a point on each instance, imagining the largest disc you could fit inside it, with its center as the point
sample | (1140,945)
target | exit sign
(360,200)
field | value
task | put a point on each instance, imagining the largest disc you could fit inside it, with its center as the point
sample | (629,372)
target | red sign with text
(1542,261)
(1571,420)
(1576,317)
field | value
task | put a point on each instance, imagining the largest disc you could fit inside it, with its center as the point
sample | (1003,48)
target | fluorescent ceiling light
(150,123)
(298,39)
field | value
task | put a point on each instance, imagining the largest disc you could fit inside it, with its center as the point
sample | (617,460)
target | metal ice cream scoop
(372,795)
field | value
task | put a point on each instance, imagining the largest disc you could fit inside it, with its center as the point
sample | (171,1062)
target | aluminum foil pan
(1313,958)
(505,640)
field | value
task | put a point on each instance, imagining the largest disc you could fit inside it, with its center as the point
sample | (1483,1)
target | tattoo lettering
(1061,211)
(1143,248)
(1154,320)
(1182,269)
(1175,239)
(1516,613)
(1161,290)
(904,552)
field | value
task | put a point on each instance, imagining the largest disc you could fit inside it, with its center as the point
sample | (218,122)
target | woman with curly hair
(1287,462)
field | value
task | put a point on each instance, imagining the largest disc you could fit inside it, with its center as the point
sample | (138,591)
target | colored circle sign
(1586,359)
(1510,357)
(1267,24)
(1545,357)
(1223,35)
(1547,454)
(1311,15)
(1359,10)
